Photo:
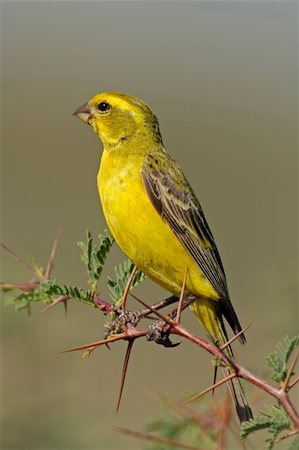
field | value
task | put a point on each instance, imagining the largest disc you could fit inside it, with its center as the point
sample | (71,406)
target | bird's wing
(173,198)
(175,201)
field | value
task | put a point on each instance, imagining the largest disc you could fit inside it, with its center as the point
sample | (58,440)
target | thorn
(159,305)
(179,310)
(61,298)
(162,316)
(126,291)
(185,305)
(26,287)
(65,307)
(292,384)
(214,378)
(97,343)
(102,304)
(224,380)
(124,372)
(224,416)
(48,270)
(290,371)
(88,351)
(182,410)
(20,260)
(162,440)
(234,337)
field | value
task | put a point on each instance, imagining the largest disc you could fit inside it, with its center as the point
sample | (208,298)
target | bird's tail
(207,311)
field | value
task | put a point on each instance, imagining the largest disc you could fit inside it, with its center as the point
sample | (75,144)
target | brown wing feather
(173,198)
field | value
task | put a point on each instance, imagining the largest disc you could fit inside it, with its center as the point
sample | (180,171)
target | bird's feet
(119,320)
(159,332)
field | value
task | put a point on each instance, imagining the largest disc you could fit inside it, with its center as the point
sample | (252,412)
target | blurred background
(221,76)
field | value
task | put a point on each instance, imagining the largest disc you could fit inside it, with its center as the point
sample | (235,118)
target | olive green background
(222,78)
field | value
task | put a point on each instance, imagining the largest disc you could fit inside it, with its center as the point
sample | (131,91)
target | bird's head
(117,118)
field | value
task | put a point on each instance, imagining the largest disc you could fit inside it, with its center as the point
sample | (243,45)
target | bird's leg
(159,331)
(120,320)
(120,317)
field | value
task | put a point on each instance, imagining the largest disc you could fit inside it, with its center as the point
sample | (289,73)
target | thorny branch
(171,325)
(174,327)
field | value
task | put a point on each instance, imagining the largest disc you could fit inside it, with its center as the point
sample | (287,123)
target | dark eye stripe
(104,106)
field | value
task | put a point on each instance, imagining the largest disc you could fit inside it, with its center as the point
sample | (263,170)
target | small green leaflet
(122,273)
(277,360)
(274,419)
(295,444)
(94,256)
(51,288)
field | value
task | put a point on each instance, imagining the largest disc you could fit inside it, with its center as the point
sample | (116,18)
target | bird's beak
(83,113)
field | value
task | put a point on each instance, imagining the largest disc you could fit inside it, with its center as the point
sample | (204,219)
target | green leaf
(122,273)
(253,425)
(182,429)
(277,360)
(274,419)
(94,256)
(39,270)
(295,444)
(24,299)
(51,288)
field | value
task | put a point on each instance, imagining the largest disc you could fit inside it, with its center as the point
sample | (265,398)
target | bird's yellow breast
(140,231)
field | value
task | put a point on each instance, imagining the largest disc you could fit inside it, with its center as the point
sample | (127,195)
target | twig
(241,372)
(280,394)
(282,438)
(238,371)
(161,440)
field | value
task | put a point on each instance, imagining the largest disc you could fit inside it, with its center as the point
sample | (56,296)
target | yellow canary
(155,217)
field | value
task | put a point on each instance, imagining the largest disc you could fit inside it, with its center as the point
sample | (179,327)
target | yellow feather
(139,230)
(161,242)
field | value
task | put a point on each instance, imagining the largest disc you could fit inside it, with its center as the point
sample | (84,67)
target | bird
(156,218)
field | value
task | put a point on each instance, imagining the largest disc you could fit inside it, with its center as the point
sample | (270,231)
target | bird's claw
(159,332)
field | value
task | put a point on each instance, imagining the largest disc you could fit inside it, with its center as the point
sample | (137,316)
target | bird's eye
(104,106)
